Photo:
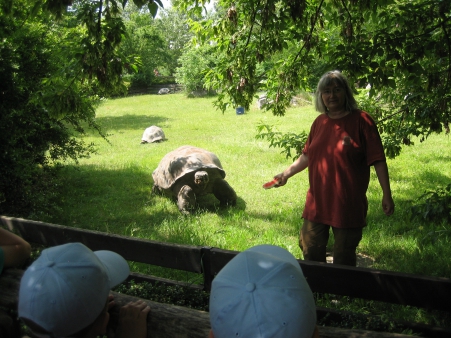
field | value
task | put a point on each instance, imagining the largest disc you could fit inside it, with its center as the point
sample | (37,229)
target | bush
(42,109)
(434,205)
(195,63)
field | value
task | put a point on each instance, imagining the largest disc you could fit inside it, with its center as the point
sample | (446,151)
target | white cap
(67,287)
(262,293)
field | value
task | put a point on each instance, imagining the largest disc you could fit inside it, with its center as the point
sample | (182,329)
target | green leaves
(434,205)
(153,8)
(401,49)
(141,3)
(287,142)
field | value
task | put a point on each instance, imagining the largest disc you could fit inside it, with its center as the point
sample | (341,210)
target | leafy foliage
(174,29)
(434,205)
(195,63)
(38,116)
(146,44)
(55,65)
(287,141)
(401,49)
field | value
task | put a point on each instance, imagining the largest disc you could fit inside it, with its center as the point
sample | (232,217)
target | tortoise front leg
(224,192)
(186,199)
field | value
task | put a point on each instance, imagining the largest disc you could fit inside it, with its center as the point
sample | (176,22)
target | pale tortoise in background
(153,134)
(164,91)
(188,172)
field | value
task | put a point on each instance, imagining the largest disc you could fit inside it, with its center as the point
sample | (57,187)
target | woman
(342,145)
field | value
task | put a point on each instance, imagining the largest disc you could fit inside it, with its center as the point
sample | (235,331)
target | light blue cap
(67,287)
(262,293)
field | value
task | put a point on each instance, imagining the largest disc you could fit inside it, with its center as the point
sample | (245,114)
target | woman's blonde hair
(334,77)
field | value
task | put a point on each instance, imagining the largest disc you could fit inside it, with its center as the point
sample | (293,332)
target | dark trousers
(313,242)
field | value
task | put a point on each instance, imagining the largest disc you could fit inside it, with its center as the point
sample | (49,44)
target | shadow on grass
(444,157)
(395,239)
(428,177)
(425,180)
(126,122)
(120,202)
(109,194)
(112,195)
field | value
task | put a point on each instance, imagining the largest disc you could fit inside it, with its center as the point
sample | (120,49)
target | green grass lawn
(111,191)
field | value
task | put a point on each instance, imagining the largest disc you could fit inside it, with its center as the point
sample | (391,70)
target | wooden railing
(431,293)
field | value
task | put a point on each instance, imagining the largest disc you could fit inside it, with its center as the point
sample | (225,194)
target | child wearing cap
(65,293)
(263,293)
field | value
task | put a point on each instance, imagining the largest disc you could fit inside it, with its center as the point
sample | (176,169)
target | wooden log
(169,321)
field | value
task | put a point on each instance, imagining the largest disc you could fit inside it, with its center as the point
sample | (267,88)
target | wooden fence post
(205,254)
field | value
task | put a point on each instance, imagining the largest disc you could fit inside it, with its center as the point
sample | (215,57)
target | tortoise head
(201,179)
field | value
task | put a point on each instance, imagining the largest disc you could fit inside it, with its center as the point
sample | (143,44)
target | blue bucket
(240,110)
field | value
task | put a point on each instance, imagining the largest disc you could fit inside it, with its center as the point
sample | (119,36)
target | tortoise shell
(182,161)
(153,134)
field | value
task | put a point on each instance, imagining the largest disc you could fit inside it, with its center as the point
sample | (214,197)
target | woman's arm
(388,206)
(300,164)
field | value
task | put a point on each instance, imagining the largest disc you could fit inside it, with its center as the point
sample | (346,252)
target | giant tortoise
(153,134)
(188,172)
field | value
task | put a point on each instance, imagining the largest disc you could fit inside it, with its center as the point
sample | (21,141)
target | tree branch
(391,115)
(349,17)
(254,14)
(312,27)
(449,53)
(99,27)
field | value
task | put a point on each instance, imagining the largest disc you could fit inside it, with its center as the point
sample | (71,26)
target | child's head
(262,292)
(66,289)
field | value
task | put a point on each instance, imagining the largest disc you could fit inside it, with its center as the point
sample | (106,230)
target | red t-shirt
(340,153)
